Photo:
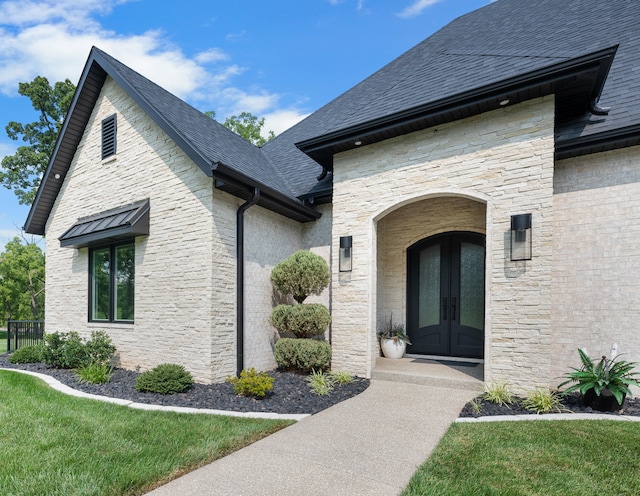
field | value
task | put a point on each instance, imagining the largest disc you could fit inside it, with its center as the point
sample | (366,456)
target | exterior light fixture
(521,237)
(504,102)
(345,254)
(357,142)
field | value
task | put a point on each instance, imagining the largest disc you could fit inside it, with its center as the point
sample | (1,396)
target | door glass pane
(100,289)
(429,290)
(124,282)
(472,285)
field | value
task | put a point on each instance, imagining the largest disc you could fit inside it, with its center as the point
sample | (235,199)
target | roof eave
(533,84)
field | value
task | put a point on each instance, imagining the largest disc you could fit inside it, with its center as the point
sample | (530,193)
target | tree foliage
(22,171)
(246,125)
(300,275)
(21,281)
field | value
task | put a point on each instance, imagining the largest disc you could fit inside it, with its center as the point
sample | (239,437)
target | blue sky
(279,59)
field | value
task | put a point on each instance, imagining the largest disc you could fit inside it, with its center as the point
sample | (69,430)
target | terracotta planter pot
(606,402)
(392,348)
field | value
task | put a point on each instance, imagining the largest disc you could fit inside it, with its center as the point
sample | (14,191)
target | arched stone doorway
(448,226)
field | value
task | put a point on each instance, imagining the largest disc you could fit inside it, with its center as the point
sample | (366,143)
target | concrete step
(430,373)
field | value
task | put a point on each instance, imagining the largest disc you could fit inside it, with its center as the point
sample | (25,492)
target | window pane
(472,285)
(124,282)
(100,289)
(429,308)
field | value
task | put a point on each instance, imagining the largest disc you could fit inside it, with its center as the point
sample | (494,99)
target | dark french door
(445,295)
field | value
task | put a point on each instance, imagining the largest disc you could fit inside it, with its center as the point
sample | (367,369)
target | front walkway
(368,445)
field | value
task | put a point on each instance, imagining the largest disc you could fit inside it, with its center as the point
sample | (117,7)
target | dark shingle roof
(510,48)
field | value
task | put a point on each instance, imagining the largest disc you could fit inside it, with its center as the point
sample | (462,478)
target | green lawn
(56,444)
(533,458)
(3,342)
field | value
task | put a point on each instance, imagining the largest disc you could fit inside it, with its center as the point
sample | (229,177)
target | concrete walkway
(368,445)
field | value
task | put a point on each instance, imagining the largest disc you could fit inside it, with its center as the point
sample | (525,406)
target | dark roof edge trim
(225,174)
(569,67)
(609,140)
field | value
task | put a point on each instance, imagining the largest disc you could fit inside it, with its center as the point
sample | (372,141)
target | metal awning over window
(113,225)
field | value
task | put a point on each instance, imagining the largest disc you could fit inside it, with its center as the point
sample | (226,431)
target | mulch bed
(571,403)
(291,392)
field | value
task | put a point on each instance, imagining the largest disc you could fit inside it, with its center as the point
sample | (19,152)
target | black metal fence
(24,333)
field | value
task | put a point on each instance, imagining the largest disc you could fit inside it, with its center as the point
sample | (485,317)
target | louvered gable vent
(109,136)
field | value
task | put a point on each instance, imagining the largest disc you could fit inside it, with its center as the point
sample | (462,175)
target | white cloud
(281,120)
(416,8)
(52,38)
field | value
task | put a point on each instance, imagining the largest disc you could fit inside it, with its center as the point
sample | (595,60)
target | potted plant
(604,385)
(393,339)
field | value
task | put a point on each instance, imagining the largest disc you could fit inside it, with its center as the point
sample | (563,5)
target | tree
(21,281)
(246,125)
(22,171)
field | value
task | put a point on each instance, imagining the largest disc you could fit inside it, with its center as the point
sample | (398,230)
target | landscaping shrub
(304,321)
(27,354)
(320,383)
(300,275)
(252,383)
(498,393)
(167,378)
(542,400)
(95,373)
(99,348)
(64,350)
(303,355)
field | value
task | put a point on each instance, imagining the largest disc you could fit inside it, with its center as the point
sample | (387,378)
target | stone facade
(596,262)
(488,167)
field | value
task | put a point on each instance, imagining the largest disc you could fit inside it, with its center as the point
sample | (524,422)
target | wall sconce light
(521,237)
(345,254)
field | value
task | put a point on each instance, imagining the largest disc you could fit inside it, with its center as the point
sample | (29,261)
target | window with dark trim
(109,136)
(112,283)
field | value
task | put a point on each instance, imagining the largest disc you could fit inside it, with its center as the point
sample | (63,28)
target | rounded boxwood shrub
(304,321)
(27,354)
(302,355)
(300,275)
(168,378)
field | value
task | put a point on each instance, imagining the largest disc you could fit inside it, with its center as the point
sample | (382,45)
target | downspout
(240,279)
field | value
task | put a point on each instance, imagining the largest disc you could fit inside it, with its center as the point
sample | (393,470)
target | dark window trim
(112,251)
(109,132)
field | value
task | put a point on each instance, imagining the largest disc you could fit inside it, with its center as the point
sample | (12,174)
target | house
(486,185)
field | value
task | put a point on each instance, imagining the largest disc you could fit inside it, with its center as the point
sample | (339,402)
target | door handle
(444,308)
(453,309)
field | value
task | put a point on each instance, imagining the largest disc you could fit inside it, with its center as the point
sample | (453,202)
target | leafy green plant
(320,383)
(252,383)
(27,354)
(64,350)
(100,349)
(303,321)
(302,355)
(476,405)
(498,393)
(95,373)
(300,275)
(543,400)
(168,378)
(393,331)
(341,377)
(611,374)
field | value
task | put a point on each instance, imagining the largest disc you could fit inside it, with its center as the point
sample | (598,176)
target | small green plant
(99,348)
(95,373)
(393,331)
(542,400)
(341,377)
(252,383)
(167,378)
(498,393)
(302,355)
(320,383)
(476,405)
(27,354)
(614,375)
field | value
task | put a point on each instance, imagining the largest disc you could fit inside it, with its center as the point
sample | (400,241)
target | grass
(533,458)
(55,444)
(3,342)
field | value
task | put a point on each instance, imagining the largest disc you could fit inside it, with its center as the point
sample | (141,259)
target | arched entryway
(445,295)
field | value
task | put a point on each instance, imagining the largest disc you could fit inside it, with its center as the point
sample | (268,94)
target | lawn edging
(57,385)
(548,416)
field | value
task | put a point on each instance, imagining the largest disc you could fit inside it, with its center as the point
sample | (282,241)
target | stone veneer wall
(175,295)
(503,159)
(596,262)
